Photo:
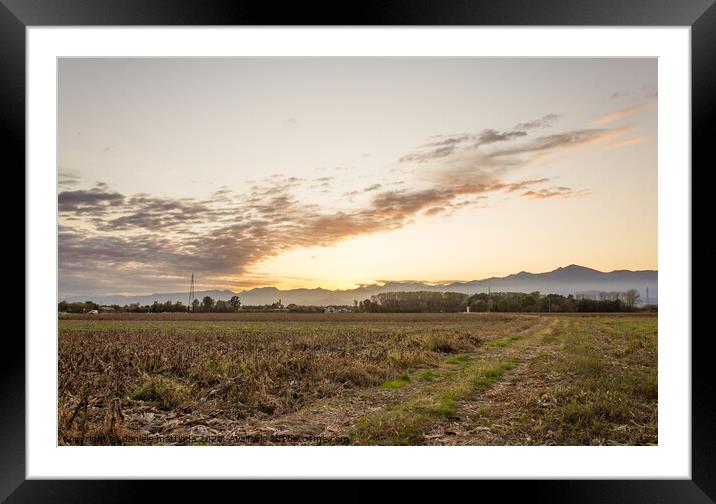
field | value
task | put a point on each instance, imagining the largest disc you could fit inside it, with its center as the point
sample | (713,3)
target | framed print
(451,242)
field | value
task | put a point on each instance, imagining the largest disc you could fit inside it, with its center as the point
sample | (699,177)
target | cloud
(543,122)
(446,140)
(434,211)
(446,145)
(400,204)
(624,143)
(647,92)
(436,153)
(647,97)
(67,179)
(560,140)
(490,136)
(556,192)
(151,213)
(89,201)
(518,186)
(618,115)
(223,193)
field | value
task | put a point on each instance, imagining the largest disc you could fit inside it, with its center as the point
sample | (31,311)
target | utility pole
(647,295)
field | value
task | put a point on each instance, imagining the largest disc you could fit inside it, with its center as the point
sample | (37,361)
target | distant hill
(571,279)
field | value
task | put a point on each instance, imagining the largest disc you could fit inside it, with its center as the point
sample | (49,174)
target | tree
(631,297)
(207,304)
(235,302)
(222,306)
(91,305)
(195,305)
(531,302)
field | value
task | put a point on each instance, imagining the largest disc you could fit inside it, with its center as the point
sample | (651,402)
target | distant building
(337,309)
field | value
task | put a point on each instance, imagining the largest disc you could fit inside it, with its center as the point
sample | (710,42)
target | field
(363,379)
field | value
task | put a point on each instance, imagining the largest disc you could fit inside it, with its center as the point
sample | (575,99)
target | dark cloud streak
(89,201)
(447,145)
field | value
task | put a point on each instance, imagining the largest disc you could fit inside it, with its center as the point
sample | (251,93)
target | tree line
(402,302)
(206,305)
(451,302)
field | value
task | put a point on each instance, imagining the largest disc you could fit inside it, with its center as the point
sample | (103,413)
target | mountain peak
(574,267)
(260,289)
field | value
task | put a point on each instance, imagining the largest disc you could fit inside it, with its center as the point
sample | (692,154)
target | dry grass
(378,378)
(243,367)
(592,381)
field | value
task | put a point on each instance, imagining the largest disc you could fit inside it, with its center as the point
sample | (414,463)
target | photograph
(351,251)
(449,241)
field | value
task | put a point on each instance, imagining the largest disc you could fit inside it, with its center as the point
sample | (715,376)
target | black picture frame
(16,15)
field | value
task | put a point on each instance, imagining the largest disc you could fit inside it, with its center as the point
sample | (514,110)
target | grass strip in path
(407,422)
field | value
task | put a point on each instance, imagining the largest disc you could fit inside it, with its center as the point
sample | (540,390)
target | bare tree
(631,297)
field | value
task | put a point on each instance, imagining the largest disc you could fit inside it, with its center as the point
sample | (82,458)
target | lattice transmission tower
(190,306)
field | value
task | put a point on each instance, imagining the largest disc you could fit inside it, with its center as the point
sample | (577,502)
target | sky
(341,172)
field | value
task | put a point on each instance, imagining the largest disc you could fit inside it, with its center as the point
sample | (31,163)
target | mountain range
(571,279)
